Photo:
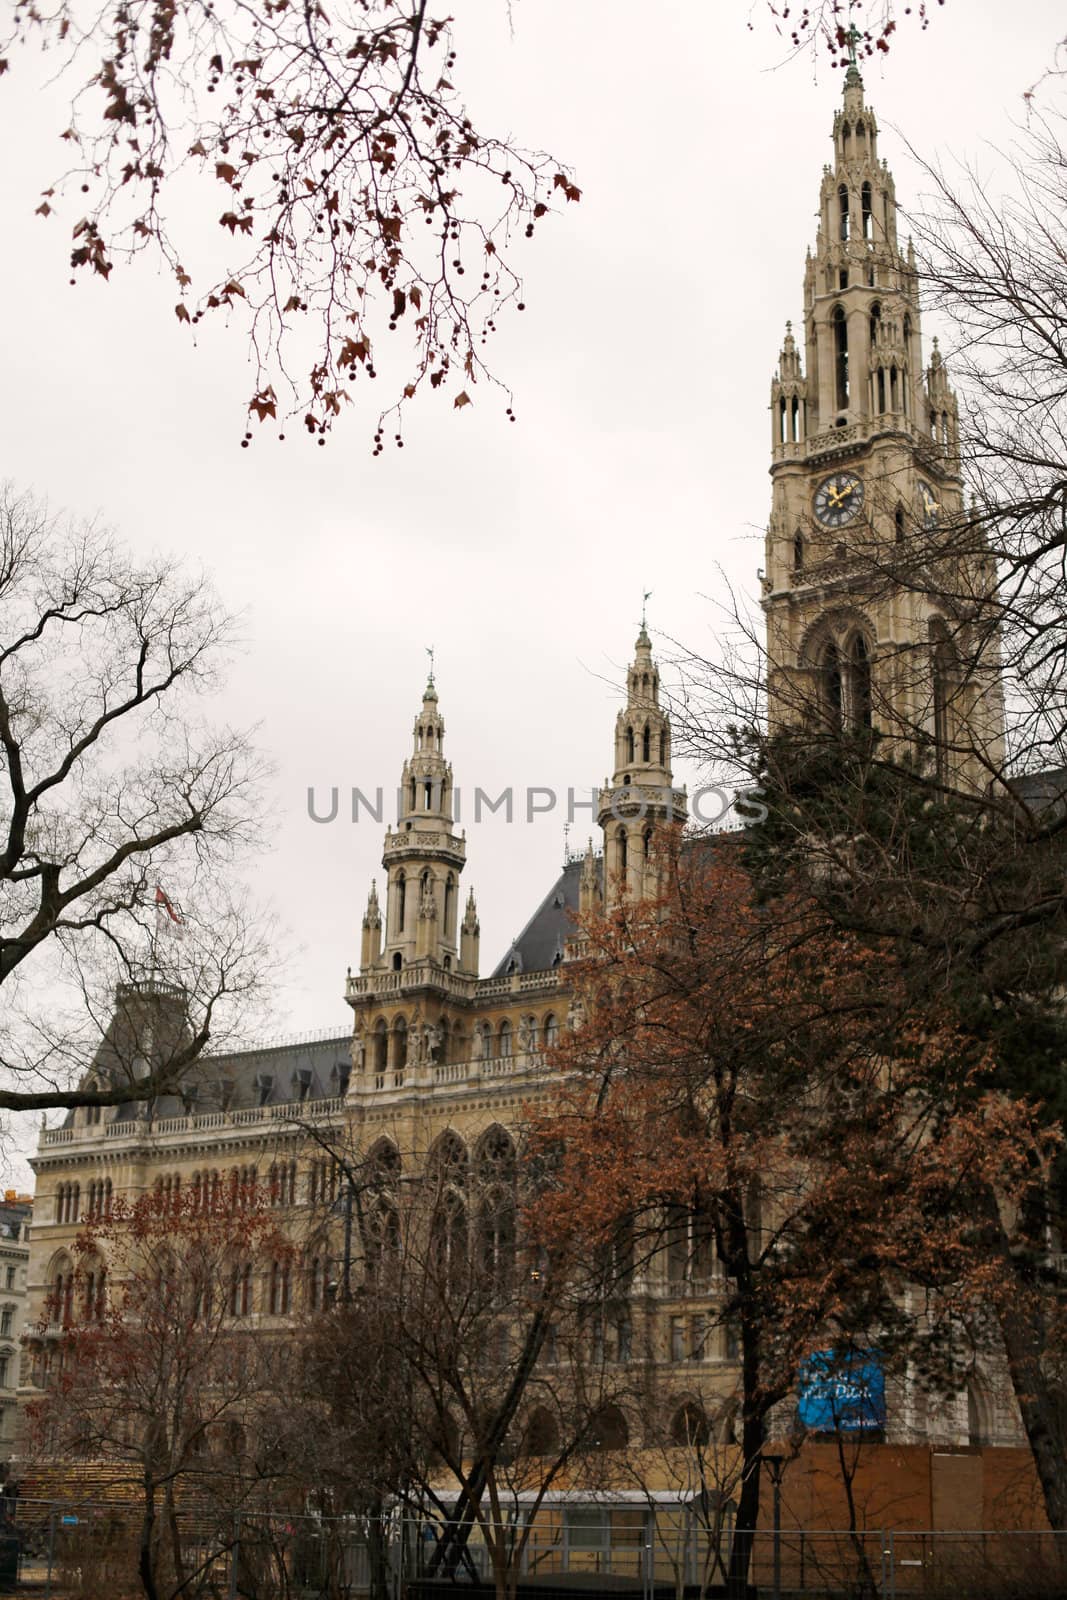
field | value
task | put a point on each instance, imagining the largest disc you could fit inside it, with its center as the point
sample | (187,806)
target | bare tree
(122,951)
(148,1364)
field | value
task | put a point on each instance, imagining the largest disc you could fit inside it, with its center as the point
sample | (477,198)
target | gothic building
(865,468)
(864,453)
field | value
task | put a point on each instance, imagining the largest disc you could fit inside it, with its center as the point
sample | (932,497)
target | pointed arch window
(450,907)
(504,1038)
(860,683)
(943,664)
(622,852)
(798,551)
(840,327)
(842,210)
(646,744)
(401,900)
(629,744)
(865,209)
(832,686)
(898,524)
(876,323)
(663,747)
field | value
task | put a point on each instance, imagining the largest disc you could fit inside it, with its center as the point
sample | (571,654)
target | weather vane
(645,598)
(429,652)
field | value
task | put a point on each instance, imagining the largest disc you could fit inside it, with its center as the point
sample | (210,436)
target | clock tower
(866,625)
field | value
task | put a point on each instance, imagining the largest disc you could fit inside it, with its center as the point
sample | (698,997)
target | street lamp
(776,1465)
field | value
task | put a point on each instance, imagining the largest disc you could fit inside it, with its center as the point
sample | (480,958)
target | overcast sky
(641,369)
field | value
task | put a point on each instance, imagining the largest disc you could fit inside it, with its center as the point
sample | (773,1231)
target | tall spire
(423,856)
(865,456)
(641,796)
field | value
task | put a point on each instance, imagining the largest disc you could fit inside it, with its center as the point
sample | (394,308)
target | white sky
(640,368)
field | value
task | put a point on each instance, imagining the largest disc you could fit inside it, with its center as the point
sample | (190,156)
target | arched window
(383,1237)
(608,1430)
(943,679)
(316,1283)
(629,744)
(860,675)
(846,140)
(400,1045)
(832,687)
(663,747)
(875,324)
(448,1240)
(840,327)
(690,1426)
(865,205)
(898,524)
(495,1166)
(551,1031)
(447,1161)
(381,1046)
(450,906)
(401,901)
(798,551)
(239,1299)
(646,744)
(622,853)
(280,1288)
(504,1040)
(842,209)
(542,1433)
(980,1426)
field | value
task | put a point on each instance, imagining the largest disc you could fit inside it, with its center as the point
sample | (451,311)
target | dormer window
(264,1083)
(301,1084)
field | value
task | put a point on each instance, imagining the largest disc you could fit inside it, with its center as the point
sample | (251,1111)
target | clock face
(929,505)
(838,499)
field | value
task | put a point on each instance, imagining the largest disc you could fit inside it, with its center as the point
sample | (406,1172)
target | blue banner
(842,1391)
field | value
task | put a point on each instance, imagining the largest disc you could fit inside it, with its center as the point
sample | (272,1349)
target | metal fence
(71,1550)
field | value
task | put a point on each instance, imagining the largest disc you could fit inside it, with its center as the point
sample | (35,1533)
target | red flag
(172,911)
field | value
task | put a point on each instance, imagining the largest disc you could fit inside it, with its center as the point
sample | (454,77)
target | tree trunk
(747,1505)
(145,1559)
(1039,1403)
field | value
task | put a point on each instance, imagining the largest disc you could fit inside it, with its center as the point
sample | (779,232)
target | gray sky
(655,311)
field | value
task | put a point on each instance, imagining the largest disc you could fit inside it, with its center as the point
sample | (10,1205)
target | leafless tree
(122,949)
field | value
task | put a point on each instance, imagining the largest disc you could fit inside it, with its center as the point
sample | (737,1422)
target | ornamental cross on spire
(429,652)
(646,596)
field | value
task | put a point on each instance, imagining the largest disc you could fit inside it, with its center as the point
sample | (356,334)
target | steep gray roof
(1042,790)
(315,1067)
(540,944)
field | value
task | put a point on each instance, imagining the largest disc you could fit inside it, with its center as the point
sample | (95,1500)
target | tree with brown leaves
(738,1070)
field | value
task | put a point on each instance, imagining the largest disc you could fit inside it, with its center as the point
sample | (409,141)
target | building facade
(16,1214)
(864,450)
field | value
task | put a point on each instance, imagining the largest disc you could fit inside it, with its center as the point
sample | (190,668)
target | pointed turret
(590,897)
(470,934)
(641,796)
(372,931)
(423,857)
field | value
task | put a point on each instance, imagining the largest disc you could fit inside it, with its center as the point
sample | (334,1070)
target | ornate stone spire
(641,796)
(423,856)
